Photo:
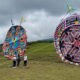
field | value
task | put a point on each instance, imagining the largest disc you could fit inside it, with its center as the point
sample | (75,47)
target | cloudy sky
(42,16)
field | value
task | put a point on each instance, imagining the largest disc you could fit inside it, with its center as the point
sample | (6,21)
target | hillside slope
(43,64)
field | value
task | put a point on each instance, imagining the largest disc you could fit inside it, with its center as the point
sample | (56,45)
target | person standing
(18,60)
(25,60)
(14,61)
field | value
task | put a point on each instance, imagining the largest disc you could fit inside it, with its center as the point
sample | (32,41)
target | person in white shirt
(14,61)
(25,60)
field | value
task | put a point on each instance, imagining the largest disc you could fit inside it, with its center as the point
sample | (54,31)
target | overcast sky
(42,16)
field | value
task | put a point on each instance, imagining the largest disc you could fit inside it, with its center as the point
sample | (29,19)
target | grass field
(43,64)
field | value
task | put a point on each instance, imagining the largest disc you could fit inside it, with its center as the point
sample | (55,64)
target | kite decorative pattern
(67,39)
(15,42)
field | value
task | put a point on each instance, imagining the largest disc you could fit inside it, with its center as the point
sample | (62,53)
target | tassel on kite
(70,9)
(22,20)
(12,22)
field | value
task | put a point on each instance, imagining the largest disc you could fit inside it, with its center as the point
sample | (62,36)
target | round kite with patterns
(15,41)
(67,39)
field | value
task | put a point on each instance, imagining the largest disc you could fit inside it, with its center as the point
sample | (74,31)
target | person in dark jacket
(18,60)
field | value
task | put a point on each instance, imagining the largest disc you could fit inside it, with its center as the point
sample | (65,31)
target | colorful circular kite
(67,39)
(15,42)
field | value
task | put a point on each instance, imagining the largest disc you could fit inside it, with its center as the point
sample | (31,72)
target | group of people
(17,60)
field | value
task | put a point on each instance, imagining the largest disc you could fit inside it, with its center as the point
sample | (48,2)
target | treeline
(35,42)
(1,47)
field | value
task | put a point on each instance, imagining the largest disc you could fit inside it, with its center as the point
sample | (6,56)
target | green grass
(43,64)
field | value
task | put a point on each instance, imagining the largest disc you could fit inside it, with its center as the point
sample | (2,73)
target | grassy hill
(43,64)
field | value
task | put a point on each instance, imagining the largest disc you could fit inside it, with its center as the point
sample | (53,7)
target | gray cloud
(11,8)
(41,15)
